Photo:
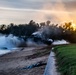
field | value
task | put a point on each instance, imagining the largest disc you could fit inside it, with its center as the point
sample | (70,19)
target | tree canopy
(48,30)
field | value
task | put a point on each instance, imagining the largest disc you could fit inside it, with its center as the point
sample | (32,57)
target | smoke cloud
(9,42)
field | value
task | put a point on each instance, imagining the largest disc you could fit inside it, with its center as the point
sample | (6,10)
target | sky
(22,11)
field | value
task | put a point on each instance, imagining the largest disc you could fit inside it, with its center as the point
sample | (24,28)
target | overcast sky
(22,11)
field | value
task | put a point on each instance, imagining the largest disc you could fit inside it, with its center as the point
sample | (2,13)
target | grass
(66,59)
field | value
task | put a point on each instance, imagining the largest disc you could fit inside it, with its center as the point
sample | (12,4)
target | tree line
(48,30)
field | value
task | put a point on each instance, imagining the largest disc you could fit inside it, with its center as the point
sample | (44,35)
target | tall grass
(66,59)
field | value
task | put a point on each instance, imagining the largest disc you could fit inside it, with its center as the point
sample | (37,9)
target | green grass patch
(66,59)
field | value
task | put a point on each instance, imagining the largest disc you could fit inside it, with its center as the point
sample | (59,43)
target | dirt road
(29,61)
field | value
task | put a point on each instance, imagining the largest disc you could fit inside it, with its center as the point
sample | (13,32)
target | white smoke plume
(9,42)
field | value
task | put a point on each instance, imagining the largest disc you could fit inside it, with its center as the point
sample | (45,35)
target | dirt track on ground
(15,62)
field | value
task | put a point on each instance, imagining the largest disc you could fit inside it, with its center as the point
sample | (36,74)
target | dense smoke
(31,42)
(10,41)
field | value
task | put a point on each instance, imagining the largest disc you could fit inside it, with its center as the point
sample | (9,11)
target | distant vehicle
(38,37)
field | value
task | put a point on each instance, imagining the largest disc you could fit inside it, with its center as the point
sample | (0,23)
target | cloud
(22,11)
(17,16)
(34,4)
(70,6)
(8,15)
(22,3)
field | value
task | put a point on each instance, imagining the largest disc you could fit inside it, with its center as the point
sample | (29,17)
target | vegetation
(19,30)
(50,31)
(66,59)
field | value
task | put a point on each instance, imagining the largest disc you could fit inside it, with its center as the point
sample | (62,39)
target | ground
(19,62)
